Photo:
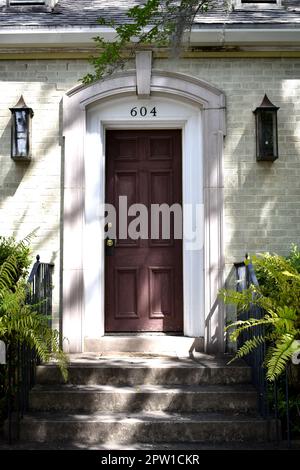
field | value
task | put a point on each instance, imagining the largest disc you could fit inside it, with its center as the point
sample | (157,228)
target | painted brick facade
(262,207)
(261,199)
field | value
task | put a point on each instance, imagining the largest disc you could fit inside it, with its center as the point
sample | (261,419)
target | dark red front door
(143,282)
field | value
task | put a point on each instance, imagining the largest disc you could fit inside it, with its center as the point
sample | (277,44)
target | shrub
(20,322)
(20,251)
(278,295)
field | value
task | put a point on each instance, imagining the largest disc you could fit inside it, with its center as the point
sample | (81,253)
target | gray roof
(84,13)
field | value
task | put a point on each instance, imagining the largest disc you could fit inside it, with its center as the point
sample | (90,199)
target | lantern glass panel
(21,134)
(267,134)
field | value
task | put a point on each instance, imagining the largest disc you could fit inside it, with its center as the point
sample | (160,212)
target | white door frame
(115,114)
(82,271)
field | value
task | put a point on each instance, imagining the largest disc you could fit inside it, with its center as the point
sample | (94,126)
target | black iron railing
(245,276)
(267,394)
(21,359)
(40,288)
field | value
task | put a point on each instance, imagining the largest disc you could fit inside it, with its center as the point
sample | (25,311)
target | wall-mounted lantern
(21,131)
(266,131)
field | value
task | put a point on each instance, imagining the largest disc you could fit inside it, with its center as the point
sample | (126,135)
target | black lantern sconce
(266,131)
(21,131)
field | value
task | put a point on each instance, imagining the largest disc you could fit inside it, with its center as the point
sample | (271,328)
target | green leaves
(19,322)
(8,273)
(241,299)
(248,347)
(278,296)
(15,257)
(155,23)
(280,354)
(294,257)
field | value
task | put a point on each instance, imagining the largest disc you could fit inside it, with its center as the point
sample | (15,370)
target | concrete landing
(145,343)
(151,359)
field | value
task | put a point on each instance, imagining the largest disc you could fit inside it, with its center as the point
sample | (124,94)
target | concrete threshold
(146,343)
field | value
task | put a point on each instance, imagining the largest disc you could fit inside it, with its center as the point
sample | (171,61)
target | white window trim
(239,4)
(18,3)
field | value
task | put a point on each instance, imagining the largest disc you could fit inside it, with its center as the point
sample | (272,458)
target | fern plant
(20,252)
(19,321)
(278,296)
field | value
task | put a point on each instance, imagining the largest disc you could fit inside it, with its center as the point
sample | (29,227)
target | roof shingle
(84,13)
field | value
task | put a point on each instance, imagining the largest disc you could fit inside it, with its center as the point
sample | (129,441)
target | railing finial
(38,258)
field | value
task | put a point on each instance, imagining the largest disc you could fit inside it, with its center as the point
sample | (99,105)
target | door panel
(143,278)
(126,292)
(161,291)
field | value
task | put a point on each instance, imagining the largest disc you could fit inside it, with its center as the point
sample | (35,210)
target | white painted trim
(114,114)
(81,37)
(143,66)
(246,36)
(181,88)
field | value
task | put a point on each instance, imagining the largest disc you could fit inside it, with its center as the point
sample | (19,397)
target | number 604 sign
(143,111)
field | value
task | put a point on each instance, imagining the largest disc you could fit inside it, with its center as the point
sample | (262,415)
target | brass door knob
(109,242)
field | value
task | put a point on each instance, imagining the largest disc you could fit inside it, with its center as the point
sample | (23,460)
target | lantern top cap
(266,104)
(21,106)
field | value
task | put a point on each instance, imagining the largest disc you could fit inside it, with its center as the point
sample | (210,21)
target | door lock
(109,246)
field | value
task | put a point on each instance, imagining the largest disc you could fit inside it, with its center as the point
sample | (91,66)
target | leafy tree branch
(155,23)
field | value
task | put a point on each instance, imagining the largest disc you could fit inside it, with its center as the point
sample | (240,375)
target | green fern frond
(280,355)
(8,272)
(244,325)
(249,346)
(288,274)
(241,299)
(283,318)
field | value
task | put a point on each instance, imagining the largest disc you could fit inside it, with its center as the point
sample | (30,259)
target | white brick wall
(262,208)
(262,200)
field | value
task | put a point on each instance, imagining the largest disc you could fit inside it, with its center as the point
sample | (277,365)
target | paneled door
(143,276)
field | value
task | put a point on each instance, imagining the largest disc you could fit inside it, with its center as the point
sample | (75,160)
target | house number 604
(143,111)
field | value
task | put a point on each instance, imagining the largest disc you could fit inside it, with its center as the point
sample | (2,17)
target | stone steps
(152,427)
(163,446)
(155,373)
(138,400)
(182,398)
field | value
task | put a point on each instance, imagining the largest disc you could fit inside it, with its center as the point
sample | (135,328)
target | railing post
(246,277)
(287,403)
(9,391)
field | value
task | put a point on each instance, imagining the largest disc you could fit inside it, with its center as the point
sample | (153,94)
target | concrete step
(131,371)
(145,428)
(164,446)
(146,342)
(107,398)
